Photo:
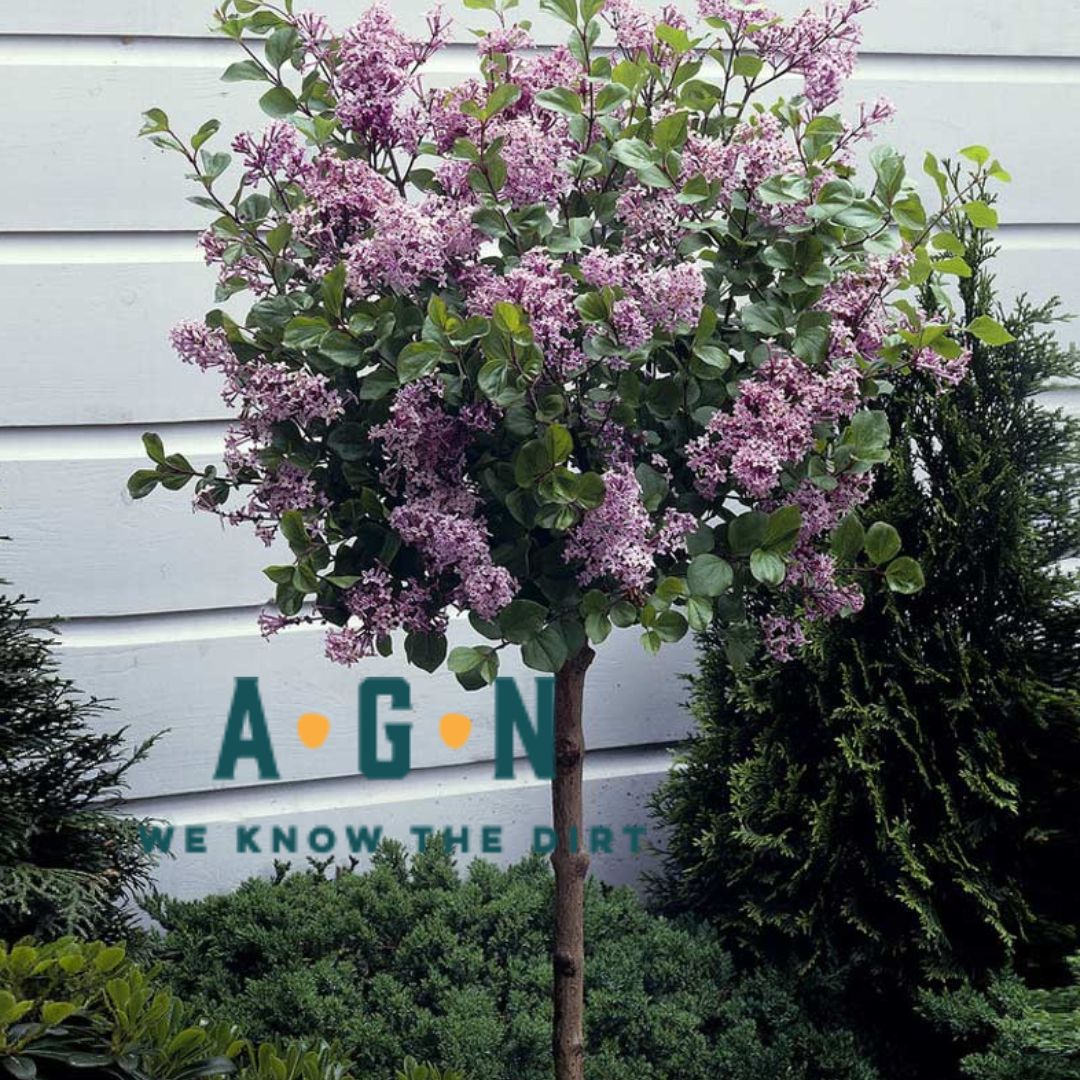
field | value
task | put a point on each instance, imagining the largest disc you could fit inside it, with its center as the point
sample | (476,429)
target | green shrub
(414,958)
(68,860)
(905,796)
(69,1008)
(1011,1031)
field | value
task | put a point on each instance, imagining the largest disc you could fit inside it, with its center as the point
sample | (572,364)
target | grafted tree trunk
(571,863)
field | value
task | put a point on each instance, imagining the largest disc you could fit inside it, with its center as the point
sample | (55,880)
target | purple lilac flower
(546,294)
(618,539)
(276,154)
(771,425)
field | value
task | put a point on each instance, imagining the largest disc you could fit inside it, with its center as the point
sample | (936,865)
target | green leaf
(882,542)
(670,133)
(904,575)
(653,484)
(466,658)
(280,45)
(348,441)
(532,461)
(501,97)
(155,449)
(671,626)
(207,131)
(562,9)
(522,620)
(782,530)
(590,493)
(747,66)
(868,430)
(597,627)
(141,482)
(546,651)
(746,532)
(417,359)
(560,443)
(278,102)
(709,575)
(848,539)
(954,265)
(632,153)
(980,215)
(425,649)
(333,290)
(109,959)
(979,154)
(763,318)
(989,331)
(561,100)
(245,70)
(675,37)
(699,613)
(156,121)
(767,567)
(305,332)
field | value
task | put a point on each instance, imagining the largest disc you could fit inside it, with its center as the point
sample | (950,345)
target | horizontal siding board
(75,163)
(614,797)
(987,27)
(184,688)
(85,548)
(107,359)
(119,369)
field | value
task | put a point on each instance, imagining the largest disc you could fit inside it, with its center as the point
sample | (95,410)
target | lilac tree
(591,339)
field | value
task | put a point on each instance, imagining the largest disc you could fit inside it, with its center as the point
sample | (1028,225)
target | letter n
(511,715)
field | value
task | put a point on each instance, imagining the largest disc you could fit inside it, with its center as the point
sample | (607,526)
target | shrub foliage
(458,970)
(905,795)
(66,857)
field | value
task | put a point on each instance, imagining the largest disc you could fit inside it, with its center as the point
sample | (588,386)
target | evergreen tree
(67,858)
(904,799)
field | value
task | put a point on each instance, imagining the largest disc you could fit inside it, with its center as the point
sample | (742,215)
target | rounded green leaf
(905,575)
(709,575)
(882,542)
(767,567)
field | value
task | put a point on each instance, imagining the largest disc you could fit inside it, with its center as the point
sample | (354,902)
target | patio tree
(590,339)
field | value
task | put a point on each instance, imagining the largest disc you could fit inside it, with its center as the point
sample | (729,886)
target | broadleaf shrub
(71,1008)
(597,335)
(413,958)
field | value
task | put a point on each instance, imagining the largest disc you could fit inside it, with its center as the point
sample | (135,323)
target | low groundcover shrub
(457,969)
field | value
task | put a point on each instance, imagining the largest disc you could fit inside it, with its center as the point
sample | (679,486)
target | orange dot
(455,728)
(313,729)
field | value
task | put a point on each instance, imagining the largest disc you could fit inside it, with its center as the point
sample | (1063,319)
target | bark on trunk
(571,863)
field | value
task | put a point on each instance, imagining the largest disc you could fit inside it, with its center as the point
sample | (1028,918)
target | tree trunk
(571,863)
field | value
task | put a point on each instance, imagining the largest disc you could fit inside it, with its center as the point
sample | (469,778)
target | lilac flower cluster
(771,425)
(619,540)
(656,298)
(546,294)
(378,606)
(439,513)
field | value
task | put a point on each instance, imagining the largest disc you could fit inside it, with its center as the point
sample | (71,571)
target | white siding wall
(97,262)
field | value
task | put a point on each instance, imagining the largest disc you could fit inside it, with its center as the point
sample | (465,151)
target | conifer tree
(904,798)
(67,858)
